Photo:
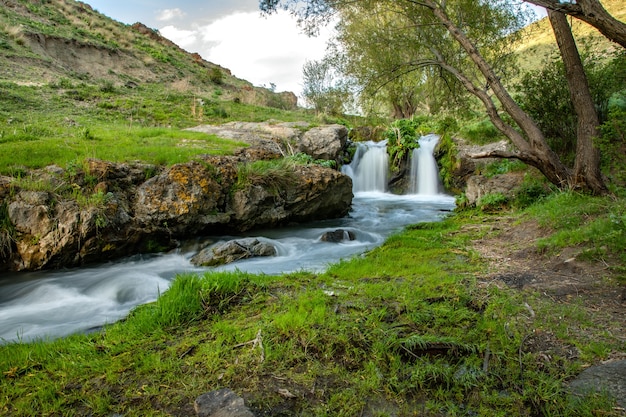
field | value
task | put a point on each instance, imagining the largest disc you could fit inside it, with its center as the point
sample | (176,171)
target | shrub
(481,132)
(216,76)
(493,202)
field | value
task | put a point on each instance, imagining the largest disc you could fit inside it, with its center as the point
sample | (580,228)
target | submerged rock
(337,236)
(232,251)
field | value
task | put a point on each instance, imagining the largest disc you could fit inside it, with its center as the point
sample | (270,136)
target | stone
(313,193)
(232,251)
(324,142)
(479,186)
(337,236)
(221,403)
(608,378)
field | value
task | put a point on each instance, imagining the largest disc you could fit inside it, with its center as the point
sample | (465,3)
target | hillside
(44,41)
(538,45)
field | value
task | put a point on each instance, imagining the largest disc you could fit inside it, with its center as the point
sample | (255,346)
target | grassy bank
(418,326)
(66,122)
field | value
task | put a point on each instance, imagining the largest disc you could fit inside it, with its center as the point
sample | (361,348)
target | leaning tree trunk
(587,173)
(534,149)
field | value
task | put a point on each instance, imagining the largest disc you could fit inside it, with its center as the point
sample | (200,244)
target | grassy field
(415,327)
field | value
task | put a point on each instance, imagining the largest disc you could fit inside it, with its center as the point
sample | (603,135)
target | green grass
(408,328)
(597,225)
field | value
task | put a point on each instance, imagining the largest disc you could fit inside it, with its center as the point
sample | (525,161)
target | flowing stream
(49,304)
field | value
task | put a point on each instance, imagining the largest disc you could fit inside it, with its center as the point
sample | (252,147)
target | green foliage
(322,89)
(531,191)
(481,132)
(402,137)
(493,202)
(612,145)
(216,76)
(304,159)
(446,158)
(544,95)
(503,166)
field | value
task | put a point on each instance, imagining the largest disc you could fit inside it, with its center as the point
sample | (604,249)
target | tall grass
(597,225)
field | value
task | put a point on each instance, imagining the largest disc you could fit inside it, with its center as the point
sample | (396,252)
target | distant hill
(42,41)
(539,46)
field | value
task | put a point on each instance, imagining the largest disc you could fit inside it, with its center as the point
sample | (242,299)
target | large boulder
(186,195)
(324,142)
(465,165)
(479,186)
(313,193)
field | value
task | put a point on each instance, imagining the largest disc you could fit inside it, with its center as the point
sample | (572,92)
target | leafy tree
(469,40)
(322,90)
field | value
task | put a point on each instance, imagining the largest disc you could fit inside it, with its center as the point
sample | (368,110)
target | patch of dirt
(510,247)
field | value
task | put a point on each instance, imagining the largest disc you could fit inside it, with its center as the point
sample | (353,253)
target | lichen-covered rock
(184,195)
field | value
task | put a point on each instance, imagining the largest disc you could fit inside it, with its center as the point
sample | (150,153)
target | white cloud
(258,49)
(169,14)
(181,37)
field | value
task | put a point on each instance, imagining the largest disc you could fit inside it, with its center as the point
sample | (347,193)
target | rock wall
(109,210)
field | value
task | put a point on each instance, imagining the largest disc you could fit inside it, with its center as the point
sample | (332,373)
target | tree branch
(591,12)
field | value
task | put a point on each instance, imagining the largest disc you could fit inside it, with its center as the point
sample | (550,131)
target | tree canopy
(465,40)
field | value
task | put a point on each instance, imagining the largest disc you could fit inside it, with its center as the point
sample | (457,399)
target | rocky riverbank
(104,210)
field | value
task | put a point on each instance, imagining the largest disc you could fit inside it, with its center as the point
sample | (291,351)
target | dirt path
(511,248)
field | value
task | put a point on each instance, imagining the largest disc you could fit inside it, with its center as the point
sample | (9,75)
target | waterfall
(369,168)
(424,170)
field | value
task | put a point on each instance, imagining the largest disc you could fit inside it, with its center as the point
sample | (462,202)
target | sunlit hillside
(538,45)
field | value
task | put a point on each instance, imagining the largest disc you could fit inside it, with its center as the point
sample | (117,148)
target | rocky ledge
(107,210)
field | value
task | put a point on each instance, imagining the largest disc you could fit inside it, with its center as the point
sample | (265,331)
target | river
(50,304)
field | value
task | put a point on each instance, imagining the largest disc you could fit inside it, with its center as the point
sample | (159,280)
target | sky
(264,50)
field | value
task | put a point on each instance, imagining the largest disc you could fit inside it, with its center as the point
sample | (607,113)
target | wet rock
(232,251)
(222,403)
(609,377)
(337,236)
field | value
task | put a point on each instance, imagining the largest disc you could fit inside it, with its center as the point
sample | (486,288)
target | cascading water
(369,167)
(424,170)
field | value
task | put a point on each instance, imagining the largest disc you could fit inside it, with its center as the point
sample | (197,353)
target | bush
(493,202)
(481,133)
